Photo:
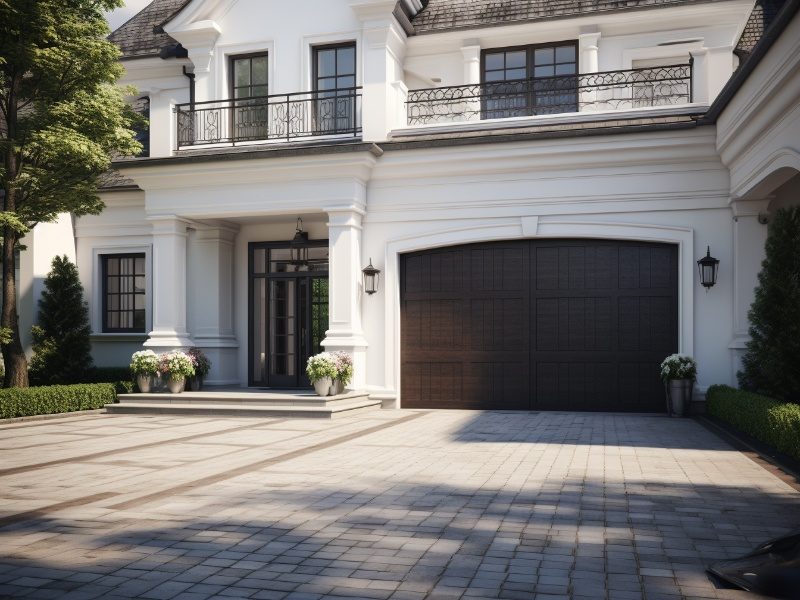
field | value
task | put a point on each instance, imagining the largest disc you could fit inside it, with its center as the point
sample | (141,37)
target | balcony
(589,92)
(278,118)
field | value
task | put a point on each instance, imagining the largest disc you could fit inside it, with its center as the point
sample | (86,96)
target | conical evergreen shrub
(771,364)
(61,344)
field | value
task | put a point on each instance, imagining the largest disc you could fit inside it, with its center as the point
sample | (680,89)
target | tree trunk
(16,364)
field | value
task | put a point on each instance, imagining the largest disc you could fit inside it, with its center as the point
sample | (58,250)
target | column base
(165,341)
(355,346)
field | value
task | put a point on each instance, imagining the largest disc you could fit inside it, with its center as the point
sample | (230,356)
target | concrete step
(244,404)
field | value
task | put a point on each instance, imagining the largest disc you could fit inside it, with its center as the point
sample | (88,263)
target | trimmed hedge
(119,376)
(26,402)
(777,424)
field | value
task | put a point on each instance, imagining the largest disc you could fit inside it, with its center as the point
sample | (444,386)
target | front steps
(245,403)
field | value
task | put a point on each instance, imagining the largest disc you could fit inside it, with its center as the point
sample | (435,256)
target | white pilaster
(382,54)
(589,52)
(472,63)
(169,285)
(711,70)
(211,284)
(345,332)
(749,238)
(200,39)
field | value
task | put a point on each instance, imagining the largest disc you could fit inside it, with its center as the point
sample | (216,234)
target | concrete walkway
(386,504)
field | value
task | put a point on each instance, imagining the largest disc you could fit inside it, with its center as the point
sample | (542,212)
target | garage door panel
(495,324)
(573,324)
(539,324)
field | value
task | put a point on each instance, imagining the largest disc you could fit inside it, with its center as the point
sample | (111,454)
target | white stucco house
(535,181)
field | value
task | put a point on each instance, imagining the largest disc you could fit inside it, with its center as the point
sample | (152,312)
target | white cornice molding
(198,34)
(371,10)
(196,11)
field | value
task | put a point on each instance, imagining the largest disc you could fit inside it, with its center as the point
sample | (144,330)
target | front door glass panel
(288,313)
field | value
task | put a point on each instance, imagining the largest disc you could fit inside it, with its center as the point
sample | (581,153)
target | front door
(288,312)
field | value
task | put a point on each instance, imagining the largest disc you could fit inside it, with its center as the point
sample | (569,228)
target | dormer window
(530,80)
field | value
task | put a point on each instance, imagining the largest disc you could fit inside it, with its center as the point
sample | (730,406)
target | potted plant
(175,367)
(344,372)
(679,371)
(321,370)
(144,366)
(201,368)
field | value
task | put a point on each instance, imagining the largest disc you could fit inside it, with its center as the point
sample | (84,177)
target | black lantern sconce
(708,267)
(372,277)
(299,246)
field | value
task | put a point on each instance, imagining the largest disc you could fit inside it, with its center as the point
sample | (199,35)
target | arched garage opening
(542,324)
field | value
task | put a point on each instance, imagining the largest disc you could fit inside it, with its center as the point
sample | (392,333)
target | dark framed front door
(288,312)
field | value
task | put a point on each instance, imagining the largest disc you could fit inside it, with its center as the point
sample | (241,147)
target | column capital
(748,207)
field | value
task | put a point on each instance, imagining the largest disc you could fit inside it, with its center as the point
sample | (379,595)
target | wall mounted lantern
(299,246)
(708,267)
(372,278)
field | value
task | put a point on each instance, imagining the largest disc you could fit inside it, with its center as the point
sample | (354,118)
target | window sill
(118,337)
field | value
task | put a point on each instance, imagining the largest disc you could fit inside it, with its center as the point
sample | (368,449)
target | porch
(246,402)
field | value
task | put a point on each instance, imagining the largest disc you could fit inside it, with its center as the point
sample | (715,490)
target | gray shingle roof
(137,38)
(760,19)
(440,15)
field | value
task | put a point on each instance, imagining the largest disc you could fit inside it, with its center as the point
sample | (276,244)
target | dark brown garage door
(529,324)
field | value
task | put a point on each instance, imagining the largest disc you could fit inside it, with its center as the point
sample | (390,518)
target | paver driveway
(388,504)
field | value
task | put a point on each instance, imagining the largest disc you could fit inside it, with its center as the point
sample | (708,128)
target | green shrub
(777,424)
(770,365)
(62,350)
(25,402)
(119,376)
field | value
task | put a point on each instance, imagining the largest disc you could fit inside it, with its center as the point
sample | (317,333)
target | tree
(62,117)
(770,365)
(62,350)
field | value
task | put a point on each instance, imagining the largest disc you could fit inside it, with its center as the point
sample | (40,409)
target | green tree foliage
(62,117)
(61,345)
(771,365)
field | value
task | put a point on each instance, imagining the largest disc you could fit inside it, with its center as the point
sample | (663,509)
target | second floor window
(530,80)
(250,88)
(124,293)
(334,87)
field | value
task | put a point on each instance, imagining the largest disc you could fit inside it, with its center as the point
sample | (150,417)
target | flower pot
(337,387)
(176,384)
(195,383)
(323,386)
(679,396)
(144,382)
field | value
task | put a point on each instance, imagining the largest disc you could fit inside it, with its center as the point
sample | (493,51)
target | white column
(169,285)
(211,302)
(382,53)
(589,62)
(711,70)
(749,238)
(589,52)
(472,63)
(345,289)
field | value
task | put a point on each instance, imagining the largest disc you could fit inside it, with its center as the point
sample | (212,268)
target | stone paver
(388,505)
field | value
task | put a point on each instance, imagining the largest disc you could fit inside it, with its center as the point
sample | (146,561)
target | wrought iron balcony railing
(283,117)
(589,92)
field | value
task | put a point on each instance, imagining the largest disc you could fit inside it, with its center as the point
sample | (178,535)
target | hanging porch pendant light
(372,278)
(298,247)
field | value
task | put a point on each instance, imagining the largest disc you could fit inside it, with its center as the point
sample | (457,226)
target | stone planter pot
(195,383)
(145,383)
(323,386)
(679,396)
(175,385)
(337,387)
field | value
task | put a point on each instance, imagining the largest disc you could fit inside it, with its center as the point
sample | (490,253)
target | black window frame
(104,288)
(529,91)
(232,69)
(347,93)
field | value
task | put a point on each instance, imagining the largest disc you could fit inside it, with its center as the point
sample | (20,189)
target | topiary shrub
(26,402)
(770,365)
(61,345)
(777,424)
